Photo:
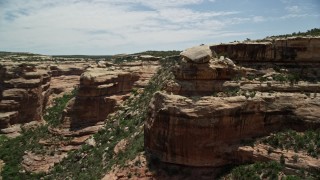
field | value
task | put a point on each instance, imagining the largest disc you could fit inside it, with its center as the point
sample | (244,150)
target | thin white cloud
(288,16)
(258,19)
(293,9)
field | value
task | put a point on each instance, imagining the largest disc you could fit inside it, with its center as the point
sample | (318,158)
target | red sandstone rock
(24,92)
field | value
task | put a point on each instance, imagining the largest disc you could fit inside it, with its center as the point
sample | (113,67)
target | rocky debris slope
(213,106)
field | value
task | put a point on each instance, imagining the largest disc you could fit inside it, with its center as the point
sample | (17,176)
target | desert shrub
(305,141)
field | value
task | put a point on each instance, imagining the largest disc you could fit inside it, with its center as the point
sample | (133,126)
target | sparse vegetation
(308,141)
(53,114)
(12,150)
(266,170)
(311,32)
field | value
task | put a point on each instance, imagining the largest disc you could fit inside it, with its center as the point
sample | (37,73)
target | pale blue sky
(98,27)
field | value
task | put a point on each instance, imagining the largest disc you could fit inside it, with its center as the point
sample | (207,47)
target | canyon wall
(297,49)
(24,92)
(213,106)
(27,88)
(101,92)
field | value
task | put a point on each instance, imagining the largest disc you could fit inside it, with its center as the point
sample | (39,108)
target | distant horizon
(133,52)
(109,27)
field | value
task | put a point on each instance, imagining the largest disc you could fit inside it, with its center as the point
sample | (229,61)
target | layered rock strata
(213,106)
(297,49)
(207,131)
(24,92)
(27,88)
(101,92)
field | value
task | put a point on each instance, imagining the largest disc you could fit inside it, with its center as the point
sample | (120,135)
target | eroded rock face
(27,88)
(201,79)
(24,93)
(299,49)
(204,132)
(102,91)
(209,109)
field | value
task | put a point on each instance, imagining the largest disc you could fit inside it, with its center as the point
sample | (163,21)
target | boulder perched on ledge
(197,54)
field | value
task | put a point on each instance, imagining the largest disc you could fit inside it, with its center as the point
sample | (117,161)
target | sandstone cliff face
(301,49)
(24,92)
(204,115)
(201,79)
(27,88)
(102,91)
(206,132)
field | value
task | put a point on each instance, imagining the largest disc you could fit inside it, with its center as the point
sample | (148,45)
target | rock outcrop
(100,92)
(207,131)
(203,116)
(27,88)
(24,93)
(201,79)
(297,49)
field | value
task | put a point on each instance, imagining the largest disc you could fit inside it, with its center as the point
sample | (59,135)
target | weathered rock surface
(298,49)
(197,54)
(204,132)
(40,163)
(60,85)
(206,113)
(26,89)
(201,79)
(24,92)
(294,160)
(102,90)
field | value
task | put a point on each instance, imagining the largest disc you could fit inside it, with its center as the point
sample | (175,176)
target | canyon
(210,107)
